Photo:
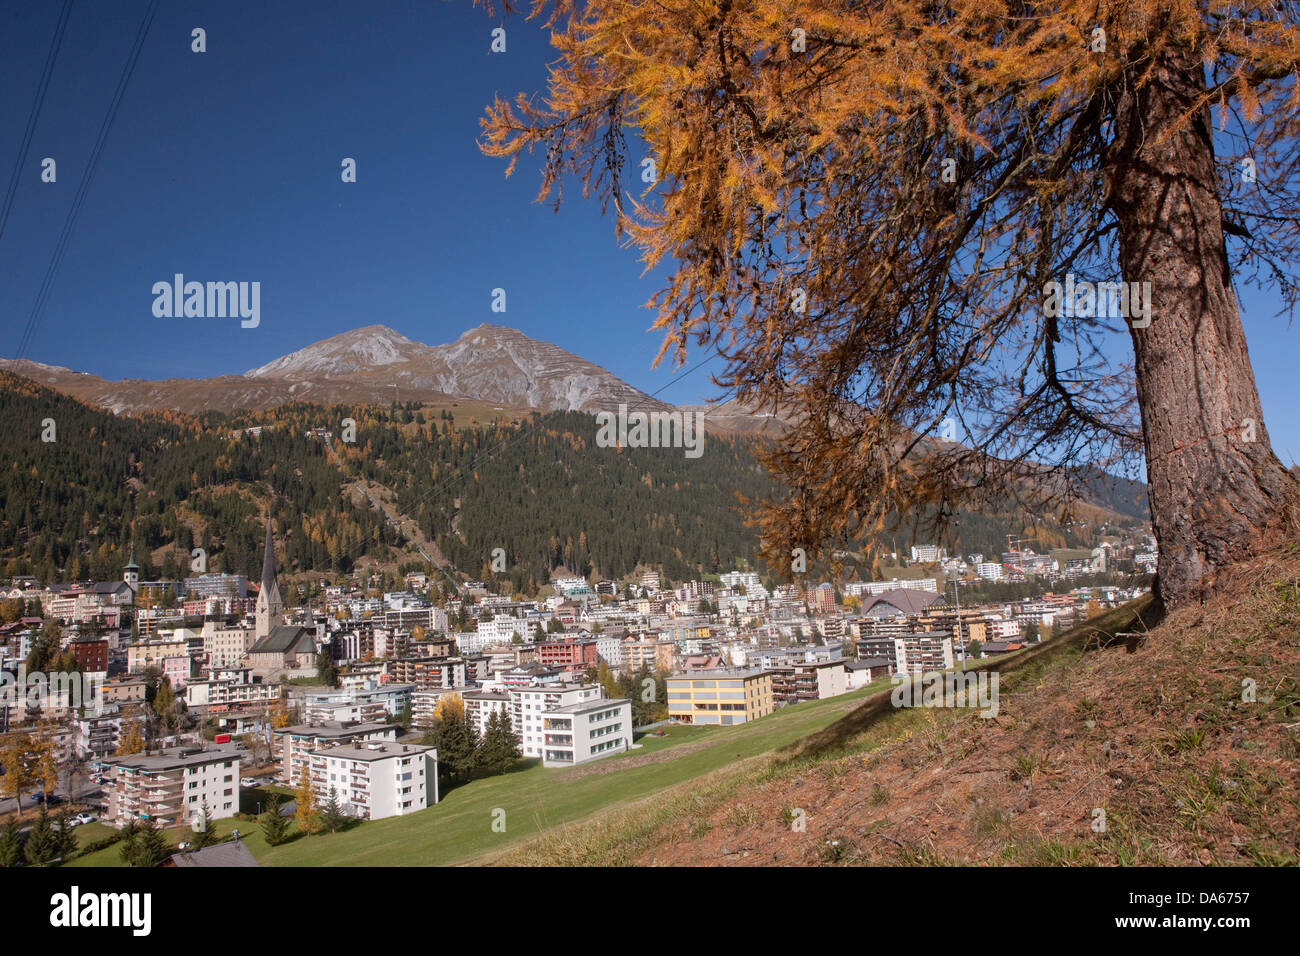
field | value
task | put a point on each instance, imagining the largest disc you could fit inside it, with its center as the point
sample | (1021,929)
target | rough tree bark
(1217,491)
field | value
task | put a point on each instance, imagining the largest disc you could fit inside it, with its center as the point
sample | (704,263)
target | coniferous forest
(540,490)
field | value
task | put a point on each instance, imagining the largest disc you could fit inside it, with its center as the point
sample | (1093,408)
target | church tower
(269,612)
(131,573)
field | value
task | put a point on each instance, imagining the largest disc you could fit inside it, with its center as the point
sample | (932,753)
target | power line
(61,247)
(35,114)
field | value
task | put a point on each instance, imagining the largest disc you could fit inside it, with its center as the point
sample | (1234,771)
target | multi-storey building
(366,705)
(375,779)
(430,672)
(142,655)
(797,682)
(502,629)
(720,697)
(295,745)
(872,588)
(529,704)
(609,648)
(651,653)
(177,671)
(568,653)
(215,585)
(576,733)
(225,646)
(232,690)
(91,654)
(427,618)
(173,786)
(821,599)
(424,703)
(923,652)
(480,705)
(98,736)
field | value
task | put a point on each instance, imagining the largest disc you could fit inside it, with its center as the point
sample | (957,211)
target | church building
(279,648)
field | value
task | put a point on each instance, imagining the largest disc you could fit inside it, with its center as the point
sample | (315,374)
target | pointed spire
(268,558)
(130,564)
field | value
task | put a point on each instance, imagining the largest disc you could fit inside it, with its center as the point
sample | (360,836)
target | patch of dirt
(1184,752)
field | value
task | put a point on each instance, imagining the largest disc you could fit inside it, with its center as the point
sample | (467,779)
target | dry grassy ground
(1097,756)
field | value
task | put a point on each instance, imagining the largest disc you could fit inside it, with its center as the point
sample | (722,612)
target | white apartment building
(872,588)
(921,652)
(374,779)
(356,705)
(225,646)
(97,736)
(609,648)
(528,704)
(222,693)
(750,581)
(989,570)
(297,744)
(424,703)
(589,730)
(1004,630)
(172,786)
(502,630)
(480,705)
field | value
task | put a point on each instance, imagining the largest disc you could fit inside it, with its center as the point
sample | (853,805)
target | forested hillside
(540,490)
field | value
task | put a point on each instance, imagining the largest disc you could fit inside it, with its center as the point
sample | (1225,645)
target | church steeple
(269,612)
(268,558)
(131,572)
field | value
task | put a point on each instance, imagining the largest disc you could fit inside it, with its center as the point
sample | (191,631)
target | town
(148,705)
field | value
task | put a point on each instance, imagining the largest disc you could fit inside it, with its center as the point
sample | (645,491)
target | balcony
(559,740)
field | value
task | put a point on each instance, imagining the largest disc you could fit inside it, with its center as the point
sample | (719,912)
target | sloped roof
(903,600)
(284,639)
(230,853)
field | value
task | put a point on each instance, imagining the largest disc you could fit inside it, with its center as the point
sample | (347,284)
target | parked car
(247,782)
(81,818)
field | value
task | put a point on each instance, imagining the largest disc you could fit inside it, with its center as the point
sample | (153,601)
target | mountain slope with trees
(540,490)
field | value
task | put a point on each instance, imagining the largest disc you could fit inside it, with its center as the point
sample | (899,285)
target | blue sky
(225,166)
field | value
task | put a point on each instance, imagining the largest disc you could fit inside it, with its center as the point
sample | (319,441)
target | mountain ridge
(373,364)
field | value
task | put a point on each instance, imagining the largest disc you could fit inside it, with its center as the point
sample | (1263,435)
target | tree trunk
(1218,494)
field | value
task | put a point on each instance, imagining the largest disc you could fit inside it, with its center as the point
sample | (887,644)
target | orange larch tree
(894,218)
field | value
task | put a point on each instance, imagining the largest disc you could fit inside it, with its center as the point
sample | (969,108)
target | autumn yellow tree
(14,749)
(916,228)
(131,741)
(280,715)
(306,813)
(449,707)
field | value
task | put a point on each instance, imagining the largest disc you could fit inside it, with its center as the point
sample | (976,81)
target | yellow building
(720,696)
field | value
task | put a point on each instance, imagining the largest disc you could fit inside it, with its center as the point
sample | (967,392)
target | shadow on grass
(1091,636)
